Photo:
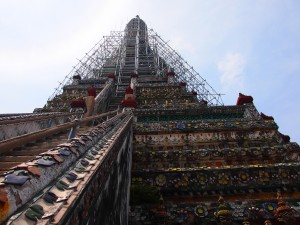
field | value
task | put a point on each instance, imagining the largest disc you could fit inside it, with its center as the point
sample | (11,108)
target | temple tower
(155,133)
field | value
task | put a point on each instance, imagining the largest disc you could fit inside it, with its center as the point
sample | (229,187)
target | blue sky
(245,46)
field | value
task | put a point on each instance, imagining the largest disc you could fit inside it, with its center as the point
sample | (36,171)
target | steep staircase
(31,150)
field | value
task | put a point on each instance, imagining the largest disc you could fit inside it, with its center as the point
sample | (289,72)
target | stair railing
(13,126)
(21,140)
(102,99)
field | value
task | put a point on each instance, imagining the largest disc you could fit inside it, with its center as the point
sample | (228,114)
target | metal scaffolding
(139,50)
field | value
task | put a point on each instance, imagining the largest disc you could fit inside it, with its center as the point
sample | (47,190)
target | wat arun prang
(199,163)
(194,160)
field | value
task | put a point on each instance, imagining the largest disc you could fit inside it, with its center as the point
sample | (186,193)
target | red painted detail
(283,212)
(285,138)
(78,104)
(242,99)
(171,74)
(4,205)
(33,170)
(92,91)
(129,90)
(265,117)
(133,74)
(129,102)
(112,76)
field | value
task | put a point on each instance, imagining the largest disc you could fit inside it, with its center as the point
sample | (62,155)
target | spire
(142,51)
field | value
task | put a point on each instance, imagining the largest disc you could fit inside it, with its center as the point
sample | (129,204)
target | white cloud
(232,71)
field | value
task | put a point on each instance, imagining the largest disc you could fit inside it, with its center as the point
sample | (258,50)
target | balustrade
(15,126)
(103,98)
(93,154)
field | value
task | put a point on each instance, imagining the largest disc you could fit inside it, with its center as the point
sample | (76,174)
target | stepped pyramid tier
(134,135)
(136,50)
(193,153)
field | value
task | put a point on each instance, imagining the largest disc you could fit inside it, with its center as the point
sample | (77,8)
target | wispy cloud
(231,68)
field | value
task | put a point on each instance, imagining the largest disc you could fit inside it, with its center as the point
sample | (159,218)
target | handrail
(90,118)
(103,96)
(38,118)
(112,139)
(11,143)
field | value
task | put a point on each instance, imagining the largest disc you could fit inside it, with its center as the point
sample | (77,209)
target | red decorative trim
(112,76)
(242,99)
(265,117)
(171,74)
(130,103)
(283,210)
(285,138)
(129,90)
(78,104)
(92,91)
(133,74)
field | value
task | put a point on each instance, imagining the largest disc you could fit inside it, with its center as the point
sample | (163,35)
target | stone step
(31,150)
